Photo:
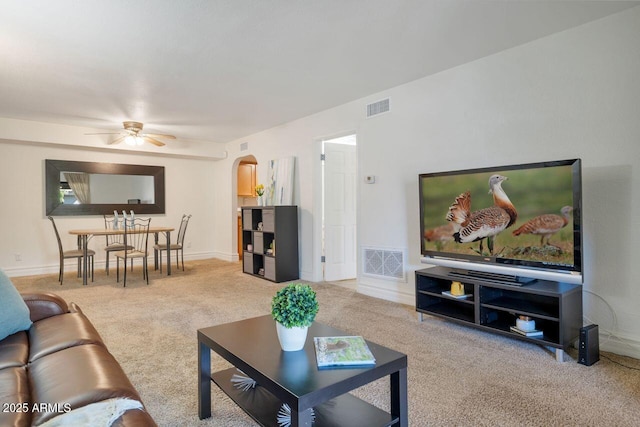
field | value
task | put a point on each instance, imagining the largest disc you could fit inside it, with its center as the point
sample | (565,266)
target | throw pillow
(14,313)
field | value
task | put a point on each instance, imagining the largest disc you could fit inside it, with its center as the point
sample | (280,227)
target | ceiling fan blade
(118,140)
(157,135)
(153,141)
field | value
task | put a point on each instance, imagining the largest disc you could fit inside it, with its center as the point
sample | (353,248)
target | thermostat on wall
(370,179)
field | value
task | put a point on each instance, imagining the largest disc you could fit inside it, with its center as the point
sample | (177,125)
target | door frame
(318,268)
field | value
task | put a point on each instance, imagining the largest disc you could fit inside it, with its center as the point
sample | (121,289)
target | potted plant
(294,309)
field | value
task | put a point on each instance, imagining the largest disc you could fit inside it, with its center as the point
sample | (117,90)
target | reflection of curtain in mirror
(79,183)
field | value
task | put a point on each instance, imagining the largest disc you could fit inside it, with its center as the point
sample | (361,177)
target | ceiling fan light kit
(134,140)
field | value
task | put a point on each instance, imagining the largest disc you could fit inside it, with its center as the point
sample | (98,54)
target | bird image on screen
(545,225)
(484,223)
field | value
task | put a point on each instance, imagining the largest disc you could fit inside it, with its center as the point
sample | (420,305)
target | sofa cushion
(77,376)
(14,313)
(14,392)
(55,333)
(14,350)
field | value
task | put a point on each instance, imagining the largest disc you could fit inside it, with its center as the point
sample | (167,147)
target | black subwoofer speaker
(589,346)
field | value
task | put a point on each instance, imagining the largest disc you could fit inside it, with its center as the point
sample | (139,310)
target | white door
(340,210)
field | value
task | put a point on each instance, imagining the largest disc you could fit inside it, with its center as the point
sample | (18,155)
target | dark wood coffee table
(293,378)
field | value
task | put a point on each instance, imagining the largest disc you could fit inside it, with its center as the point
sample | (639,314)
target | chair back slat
(136,234)
(57,235)
(183,229)
(110,225)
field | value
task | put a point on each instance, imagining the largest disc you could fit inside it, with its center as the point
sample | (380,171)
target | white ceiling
(220,70)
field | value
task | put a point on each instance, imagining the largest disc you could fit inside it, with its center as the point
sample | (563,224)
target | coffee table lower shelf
(263,407)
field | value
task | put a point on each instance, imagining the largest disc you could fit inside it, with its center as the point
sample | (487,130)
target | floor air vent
(376,108)
(384,263)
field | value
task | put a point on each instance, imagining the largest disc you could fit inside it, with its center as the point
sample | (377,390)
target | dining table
(84,235)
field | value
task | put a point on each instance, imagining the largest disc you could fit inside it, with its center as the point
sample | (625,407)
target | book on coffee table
(343,351)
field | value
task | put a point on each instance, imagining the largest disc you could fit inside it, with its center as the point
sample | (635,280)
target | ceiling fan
(132,135)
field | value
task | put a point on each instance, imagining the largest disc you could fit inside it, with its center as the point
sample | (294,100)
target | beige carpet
(457,376)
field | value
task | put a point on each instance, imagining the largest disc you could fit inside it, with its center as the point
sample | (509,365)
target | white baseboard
(198,256)
(35,270)
(389,295)
(225,256)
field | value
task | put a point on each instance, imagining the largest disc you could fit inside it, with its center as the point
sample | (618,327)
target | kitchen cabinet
(246,180)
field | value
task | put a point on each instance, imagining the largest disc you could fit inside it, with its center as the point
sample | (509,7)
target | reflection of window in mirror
(67,196)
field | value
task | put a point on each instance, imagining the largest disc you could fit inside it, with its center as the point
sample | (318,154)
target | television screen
(526,217)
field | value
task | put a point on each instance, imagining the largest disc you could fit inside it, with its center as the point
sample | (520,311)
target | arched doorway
(244,182)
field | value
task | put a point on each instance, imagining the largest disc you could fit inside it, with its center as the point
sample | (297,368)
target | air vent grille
(379,107)
(244,146)
(385,263)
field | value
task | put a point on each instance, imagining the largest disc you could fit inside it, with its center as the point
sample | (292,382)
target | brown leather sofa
(59,364)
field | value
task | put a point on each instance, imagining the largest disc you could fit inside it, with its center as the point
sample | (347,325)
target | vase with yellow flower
(260,193)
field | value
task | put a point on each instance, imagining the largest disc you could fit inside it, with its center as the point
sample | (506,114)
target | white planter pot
(291,339)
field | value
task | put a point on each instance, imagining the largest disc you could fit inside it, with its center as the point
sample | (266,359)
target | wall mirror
(90,188)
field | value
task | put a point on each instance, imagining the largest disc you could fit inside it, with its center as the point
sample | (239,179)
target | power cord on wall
(613,315)
(610,334)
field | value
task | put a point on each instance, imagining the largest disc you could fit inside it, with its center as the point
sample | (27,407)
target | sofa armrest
(43,305)
(134,418)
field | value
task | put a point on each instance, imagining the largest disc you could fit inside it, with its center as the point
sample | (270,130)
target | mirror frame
(53,207)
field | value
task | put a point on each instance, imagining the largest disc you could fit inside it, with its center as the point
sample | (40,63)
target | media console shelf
(493,306)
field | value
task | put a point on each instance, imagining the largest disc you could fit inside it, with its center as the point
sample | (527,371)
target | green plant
(295,305)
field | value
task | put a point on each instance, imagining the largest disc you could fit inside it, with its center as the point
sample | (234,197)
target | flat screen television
(513,224)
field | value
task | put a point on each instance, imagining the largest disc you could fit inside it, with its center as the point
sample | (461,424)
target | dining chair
(115,242)
(73,253)
(178,246)
(135,240)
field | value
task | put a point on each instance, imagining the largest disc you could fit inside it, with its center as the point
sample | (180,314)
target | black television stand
(494,306)
(492,277)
